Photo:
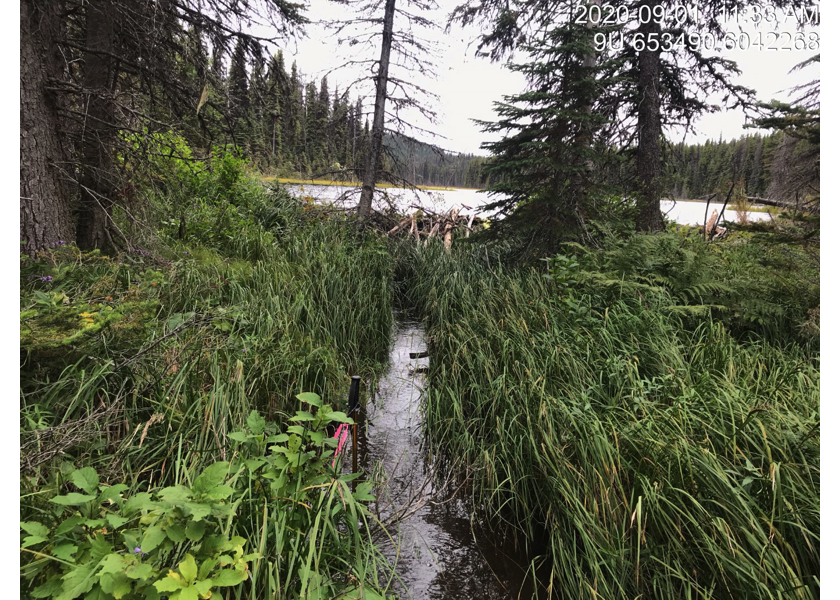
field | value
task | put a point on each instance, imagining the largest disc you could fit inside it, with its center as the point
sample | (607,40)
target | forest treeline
(290,127)
(749,161)
(282,123)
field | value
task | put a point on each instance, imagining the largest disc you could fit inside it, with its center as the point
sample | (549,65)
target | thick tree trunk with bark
(97,188)
(45,215)
(378,130)
(648,160)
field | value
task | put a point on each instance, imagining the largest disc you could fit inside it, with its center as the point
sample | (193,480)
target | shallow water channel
(439,552)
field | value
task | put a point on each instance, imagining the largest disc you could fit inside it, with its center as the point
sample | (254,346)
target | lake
(470,201)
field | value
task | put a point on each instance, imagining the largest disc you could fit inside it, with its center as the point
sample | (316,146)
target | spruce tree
(754,185)
(321,134)
(659,87)
(339,128)
(310,128)
(545,161)
(279,97)
(294,128)
(237,94)
(257,115)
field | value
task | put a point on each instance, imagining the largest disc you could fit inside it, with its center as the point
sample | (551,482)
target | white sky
(468,86)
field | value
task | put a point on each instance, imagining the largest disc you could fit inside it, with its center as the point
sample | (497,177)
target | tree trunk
(97,147)
(648,160)
(378,131)
(45,215)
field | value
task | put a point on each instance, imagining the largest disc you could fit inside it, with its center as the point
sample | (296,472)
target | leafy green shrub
(102,541)
(186,540)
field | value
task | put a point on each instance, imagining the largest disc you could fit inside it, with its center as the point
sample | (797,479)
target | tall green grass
(180,343)
(643,454)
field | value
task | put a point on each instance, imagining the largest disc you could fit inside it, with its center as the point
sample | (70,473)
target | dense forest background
(289,127)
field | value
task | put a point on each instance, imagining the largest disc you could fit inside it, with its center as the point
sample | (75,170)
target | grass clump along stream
(645,415)
(175,400)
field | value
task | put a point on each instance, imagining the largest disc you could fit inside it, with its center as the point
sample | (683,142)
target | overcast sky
(468,86)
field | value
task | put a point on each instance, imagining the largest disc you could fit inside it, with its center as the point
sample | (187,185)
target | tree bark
(97,147)
(648,160)
(45,215)
(378,130)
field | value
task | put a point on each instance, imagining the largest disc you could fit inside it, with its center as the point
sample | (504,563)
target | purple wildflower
(46,278)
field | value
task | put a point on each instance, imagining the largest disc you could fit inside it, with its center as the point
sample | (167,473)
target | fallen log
(414,228)
(399,226)
(433,232)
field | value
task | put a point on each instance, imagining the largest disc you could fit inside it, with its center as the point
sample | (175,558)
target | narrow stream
(440,554)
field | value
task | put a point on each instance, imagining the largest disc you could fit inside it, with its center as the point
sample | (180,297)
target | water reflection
(441,554)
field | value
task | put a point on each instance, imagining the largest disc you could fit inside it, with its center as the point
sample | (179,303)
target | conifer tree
(667,87)
(294,127)
(321,132)
(796,172)
(238,100)
(358,139)
(396,82)
(102,82)
(754,184)
(310,128)
(279,98)
(339,129)
(544,162)
(257,115)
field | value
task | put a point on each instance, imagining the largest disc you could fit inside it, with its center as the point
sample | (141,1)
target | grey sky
(468,86)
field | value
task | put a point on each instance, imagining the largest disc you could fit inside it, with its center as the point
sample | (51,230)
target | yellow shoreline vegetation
(294,181)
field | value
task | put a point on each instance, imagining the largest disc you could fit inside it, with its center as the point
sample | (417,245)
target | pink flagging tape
(341,434)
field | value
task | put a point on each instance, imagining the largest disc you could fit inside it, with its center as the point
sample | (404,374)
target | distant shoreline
(752,208)
(293,181)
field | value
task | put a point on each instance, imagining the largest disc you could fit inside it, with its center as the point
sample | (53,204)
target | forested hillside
(701,169)
(424,164)
(287,125)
